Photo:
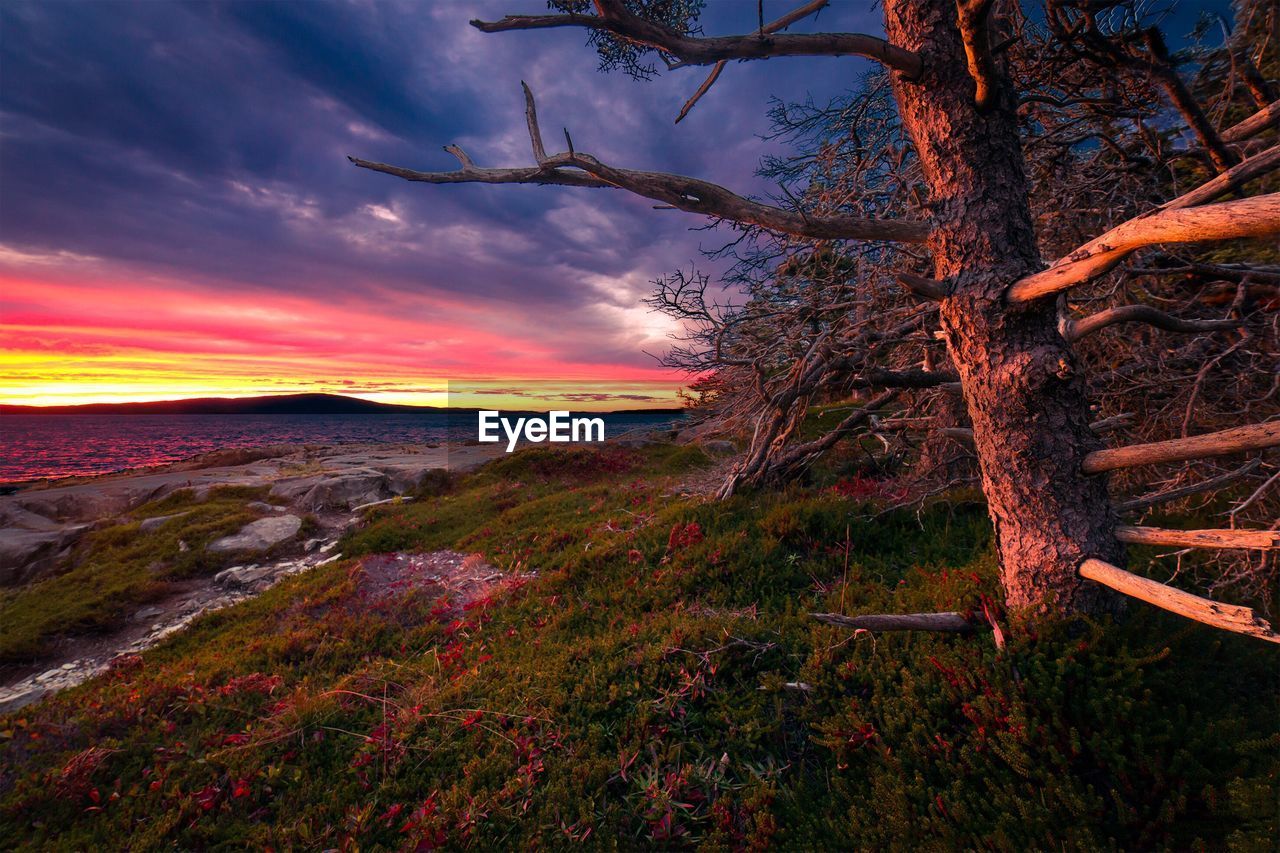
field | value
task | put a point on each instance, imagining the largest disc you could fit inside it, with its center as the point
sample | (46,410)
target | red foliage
(684,536)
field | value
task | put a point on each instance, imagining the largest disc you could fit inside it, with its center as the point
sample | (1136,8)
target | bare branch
(1238,440)
(1209,485)
(702,90)
(1077,329)
(975,32)
(535,132)
(1260,540)
(1232,179)
(925,288)
(616,20)
(573,168)
(1249,217)
(946,622)
(1268,116)
(1228,617)
(905,378)
(781,24)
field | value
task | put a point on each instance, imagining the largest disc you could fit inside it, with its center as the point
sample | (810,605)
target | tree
(1042,464)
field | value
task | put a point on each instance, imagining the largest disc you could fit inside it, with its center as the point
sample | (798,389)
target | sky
(178,217)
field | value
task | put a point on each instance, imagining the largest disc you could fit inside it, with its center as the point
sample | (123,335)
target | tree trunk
(1022,385)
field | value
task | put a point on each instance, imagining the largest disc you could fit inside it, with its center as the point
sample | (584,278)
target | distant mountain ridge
(279,404)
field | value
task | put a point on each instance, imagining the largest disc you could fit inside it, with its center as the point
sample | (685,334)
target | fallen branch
(1237,440)
(1228,617)
(1260,540)
(949,622)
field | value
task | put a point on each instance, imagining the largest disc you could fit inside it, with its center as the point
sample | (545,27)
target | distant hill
(281,404)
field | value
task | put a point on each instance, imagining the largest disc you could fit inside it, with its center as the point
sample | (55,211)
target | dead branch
(615,19)
(1077,329)
(1258,216)
(974,18)
(947,622)
(925,288)
(1228,617)
(781,24)
(1268,116)
(1238,440)
(574,168)
(1262,163)
(1259,540)
(1209,485)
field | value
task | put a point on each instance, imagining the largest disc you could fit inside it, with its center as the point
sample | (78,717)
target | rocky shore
(327,486)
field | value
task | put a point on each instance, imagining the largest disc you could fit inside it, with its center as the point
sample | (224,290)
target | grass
(117,569)
(646,688)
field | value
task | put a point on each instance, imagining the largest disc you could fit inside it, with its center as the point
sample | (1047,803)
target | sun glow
(65,340)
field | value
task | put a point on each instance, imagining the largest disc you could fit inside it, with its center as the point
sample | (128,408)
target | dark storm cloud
(206,143)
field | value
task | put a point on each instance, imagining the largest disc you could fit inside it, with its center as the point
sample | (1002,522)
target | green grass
(634,694)
(117,569)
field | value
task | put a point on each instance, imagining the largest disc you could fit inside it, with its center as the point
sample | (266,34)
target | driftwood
(950,622)
(1262,540)
(1228,617)
(1237,440)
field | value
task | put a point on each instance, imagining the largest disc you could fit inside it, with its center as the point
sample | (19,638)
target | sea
(50,446)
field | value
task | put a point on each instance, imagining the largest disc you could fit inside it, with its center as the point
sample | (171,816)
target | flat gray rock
(242,575)
(259,535)
(150,524)
(333,491)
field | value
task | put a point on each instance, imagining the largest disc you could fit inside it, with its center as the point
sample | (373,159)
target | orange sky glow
(70,334)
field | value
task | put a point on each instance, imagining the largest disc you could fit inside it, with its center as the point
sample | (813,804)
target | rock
(24,554)
(147,613)
(719,448)
(243,575)
(150,524)
(333,491)
(260,535)
(265,507)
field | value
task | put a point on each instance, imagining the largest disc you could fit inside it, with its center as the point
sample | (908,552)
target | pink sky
(73,332)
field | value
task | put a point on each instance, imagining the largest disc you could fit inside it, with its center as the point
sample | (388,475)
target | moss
(634,692)
(117,568)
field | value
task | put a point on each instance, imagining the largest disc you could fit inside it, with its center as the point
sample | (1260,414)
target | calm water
(34,446)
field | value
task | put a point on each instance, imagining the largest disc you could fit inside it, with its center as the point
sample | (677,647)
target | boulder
(24,554)
(333,491)
(260,535)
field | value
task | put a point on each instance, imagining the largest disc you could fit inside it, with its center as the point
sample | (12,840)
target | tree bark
(1022,384)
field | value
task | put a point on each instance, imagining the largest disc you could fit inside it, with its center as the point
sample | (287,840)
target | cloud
(175,182)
